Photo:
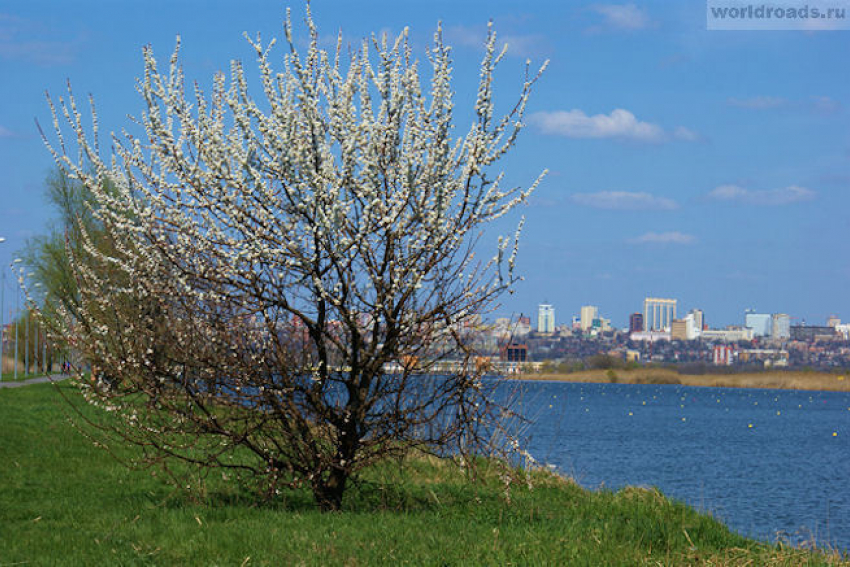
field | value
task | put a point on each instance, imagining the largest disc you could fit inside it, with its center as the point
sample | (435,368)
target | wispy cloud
(620,124)
(624,201)
(5,132)
(825,104)
(763,197)
(673,237)
(28,41)
(757,102)
(820,104)
(686,134)
(519,45)
(620,17)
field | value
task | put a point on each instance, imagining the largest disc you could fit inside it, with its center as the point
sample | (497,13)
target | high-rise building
(724,355)
(658,314)
(699,318)
(684,329)
(679,330)
(780,326)
(635,322)
(545,318)
(588,314)
(760,323)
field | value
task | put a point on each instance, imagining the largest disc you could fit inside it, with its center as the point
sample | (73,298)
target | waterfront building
(731,334)
(780,326)
(545,319)
(760,323)
(515,353)
(699,318)
(769,357)
(588,314)
(635,322)
(658,313)
(724,355)
(810,334)
(650,336)
(684,329)
(601,325)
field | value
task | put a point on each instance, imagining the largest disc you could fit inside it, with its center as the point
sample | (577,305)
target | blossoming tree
(282,274)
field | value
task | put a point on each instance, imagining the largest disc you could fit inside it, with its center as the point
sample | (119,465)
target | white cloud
(758,102)
(624,201)
(620,124)
(621,16)
(768,197)
(6,133)
(674,237)
(686,134)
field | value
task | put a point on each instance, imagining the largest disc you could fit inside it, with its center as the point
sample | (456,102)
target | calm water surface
(769,463)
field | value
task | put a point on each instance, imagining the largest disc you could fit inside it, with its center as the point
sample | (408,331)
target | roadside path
(39,380)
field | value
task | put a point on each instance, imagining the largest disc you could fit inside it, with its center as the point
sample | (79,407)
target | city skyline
(710,166)
(583,317)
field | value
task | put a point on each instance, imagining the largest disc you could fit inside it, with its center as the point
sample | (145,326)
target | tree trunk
(328,492)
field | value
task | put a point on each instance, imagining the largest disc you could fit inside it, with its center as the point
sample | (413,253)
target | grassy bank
(10,377)
(62,501)
(767,379)
(8,370)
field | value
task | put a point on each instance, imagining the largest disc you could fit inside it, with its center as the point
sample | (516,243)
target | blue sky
(708,166)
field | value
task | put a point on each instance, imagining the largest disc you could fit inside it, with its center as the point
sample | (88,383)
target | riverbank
(63,501)
(777,380)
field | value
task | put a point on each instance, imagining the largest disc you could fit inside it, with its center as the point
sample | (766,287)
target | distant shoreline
(838,382)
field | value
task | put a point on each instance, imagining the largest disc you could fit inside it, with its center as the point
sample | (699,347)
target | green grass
(63,501)
(10,376)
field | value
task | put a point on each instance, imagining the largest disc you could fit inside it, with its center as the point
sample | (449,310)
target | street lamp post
(17,309)
(17,312)
(35,353)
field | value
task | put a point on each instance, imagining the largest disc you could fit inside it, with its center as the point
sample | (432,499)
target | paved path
(39,380)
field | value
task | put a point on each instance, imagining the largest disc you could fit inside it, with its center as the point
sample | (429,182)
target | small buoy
(750,426)
(835,434)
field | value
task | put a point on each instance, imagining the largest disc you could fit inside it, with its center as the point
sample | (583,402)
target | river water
(769,463)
